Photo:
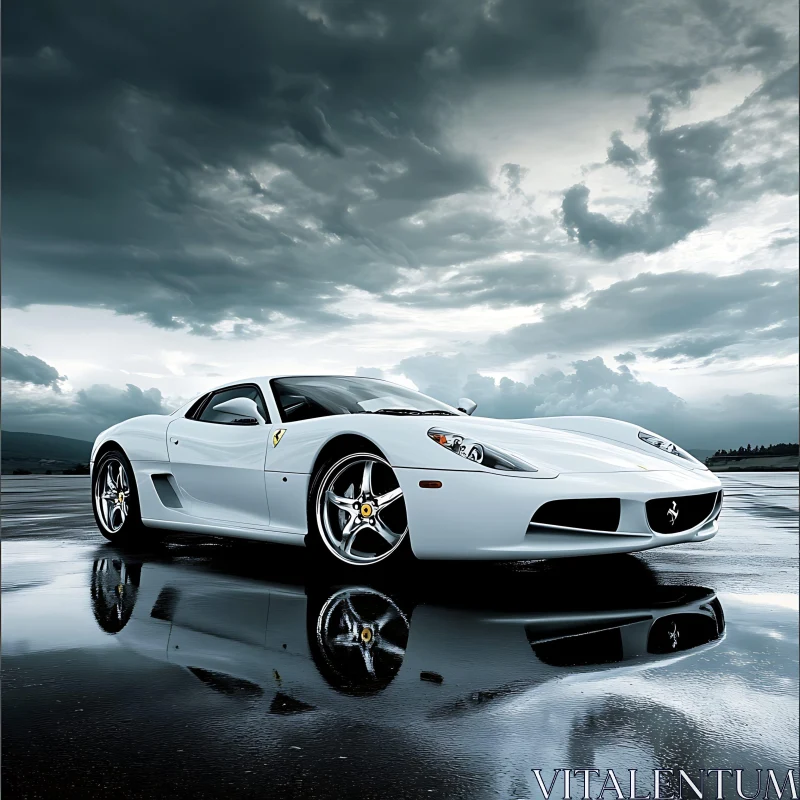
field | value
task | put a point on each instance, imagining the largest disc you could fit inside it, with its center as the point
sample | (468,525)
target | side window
(251,392)
(192,412)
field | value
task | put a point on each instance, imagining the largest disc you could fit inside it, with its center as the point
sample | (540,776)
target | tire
(115,500)
(356,513)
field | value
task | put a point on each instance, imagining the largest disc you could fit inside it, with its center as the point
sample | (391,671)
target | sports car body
(360,469)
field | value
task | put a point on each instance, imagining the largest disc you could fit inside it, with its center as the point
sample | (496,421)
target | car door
(218,461)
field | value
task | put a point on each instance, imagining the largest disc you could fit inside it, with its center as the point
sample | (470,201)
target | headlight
(665,445)
(483,454)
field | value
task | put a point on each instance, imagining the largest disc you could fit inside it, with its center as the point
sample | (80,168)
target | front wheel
(358,510)
(115,501)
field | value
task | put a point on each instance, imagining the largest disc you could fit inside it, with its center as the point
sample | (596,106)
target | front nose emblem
(674,635)
(672,513)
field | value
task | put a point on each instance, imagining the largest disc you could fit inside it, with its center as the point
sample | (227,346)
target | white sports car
(362,470)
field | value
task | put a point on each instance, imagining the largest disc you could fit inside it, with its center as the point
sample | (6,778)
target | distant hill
(39,452)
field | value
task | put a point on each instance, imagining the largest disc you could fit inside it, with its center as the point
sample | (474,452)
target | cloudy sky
(556,207)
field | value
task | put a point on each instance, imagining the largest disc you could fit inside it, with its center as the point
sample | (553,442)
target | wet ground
(206,668)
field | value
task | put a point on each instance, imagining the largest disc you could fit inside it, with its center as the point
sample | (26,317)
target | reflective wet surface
(209,668)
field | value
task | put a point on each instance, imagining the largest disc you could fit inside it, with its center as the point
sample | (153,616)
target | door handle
(173,440)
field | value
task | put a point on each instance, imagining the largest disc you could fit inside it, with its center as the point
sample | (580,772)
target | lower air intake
(590,515)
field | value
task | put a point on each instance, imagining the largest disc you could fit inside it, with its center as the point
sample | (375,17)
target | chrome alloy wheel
(112,491)
(360,509)
(362,634)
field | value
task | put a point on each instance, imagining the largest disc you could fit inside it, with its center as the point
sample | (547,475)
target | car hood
(558,450)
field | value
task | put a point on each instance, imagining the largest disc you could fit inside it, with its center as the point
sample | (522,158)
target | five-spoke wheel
(115,501)
(360,511)
(114,588)
(360,636)
(112,492)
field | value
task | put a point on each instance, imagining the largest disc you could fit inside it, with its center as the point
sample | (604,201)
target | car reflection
(474,637)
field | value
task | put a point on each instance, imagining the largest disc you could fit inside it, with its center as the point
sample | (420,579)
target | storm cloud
(29,369)
(268,157)
(723,310)
(329,184)
(592,388)
(79,415)
(256,162)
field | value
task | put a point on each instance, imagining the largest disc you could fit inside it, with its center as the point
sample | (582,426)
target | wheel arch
(344,443)
(109,444)
(339,445)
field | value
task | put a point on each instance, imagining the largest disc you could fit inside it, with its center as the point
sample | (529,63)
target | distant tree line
(781,449)
(78,469)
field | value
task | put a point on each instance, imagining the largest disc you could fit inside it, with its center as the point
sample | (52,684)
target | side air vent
(591,515)
(166,494)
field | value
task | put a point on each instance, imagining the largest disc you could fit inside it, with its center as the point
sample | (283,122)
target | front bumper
(480,515)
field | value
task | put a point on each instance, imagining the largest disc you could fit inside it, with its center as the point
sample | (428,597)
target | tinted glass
(195,407)
(250,392)
(310,397)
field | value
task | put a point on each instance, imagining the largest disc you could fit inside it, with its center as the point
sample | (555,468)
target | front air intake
(677,514)
(590,515)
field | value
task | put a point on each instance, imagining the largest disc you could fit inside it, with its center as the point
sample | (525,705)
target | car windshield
(310,397)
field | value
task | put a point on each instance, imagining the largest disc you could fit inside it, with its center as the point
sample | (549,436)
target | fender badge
(641,467)
(277,436)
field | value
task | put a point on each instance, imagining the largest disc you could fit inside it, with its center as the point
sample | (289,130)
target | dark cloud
(528,282)
(690,174)
(783,241)
(783,86)
(513,175)
(698,169)
(29,369)
(596,390)
(620,153)
(592,388)
(650,307)
(219,163)
(110,404)
(81,415)
(691,347)
(625,358)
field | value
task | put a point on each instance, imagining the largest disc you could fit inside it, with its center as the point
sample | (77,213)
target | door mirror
(466,405)
(242,407)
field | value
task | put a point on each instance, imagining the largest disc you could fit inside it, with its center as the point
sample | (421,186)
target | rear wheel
(114,589)
(115,501)
(357,512)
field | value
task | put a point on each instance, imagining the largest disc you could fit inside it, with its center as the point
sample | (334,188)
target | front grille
(676,514)
(591,515)
(678,632)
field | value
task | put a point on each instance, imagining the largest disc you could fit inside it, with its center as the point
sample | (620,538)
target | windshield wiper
(412,412)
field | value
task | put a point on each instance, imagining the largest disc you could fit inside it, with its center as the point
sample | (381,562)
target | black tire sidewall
(133,522)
